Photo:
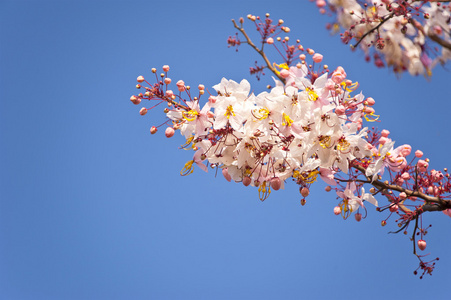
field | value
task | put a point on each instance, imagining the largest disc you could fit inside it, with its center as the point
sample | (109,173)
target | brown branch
(259,51)
(432,203)
(374,29)
(432,35)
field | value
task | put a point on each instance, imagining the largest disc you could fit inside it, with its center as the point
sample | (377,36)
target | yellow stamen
(190,115)
(229,112)
(312,95)
(346,209)
(262,114)
(187,143)
(188,168)
(264,190)
(287,121)
(324,141)
(371,117)
(351,87)
(307,177)
(343,144)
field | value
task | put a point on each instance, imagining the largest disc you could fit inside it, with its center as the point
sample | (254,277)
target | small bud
(143,111)
(246,181)
(153,130)
(369,101)
(383,223)
(276,183)
(304,192)
(135,100)
(421,244)
(303,201)
(166,68)
(317,58)
(201,87)
(419,153)
(167,80)
(169,132)
(154,70)
(385,133)
(337,210)
(358,217)
(140,79)
(393,208)
(328,188)
(270,41)
(138,86)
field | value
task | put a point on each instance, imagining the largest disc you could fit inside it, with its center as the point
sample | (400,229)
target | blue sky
(93,207)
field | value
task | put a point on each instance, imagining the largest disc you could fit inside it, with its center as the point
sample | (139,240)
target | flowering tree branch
(407,35)
(309,126)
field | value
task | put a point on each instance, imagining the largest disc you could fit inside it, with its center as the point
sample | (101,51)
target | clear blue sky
(92,206)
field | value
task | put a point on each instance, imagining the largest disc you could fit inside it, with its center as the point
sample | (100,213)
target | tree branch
(259,51)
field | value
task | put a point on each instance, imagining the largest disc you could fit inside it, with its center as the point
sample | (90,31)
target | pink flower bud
(421,244)
(305,192)
(419,153)
(212,99)
(143,111)
(383,140)
(358,217)
(337,210)
(422,165)
(201,87)
(320,3)
(135,100)
(167,80)
(284,73)
(317,58)
(165,68)
(140,79)
(226,174)
(169,132)
(405,176)
(169,93)
(328,188)
(402,195)
(247,181)
(385,133)
(302,57)
(393,208)
(153,130)
(405,150)
(180,85)
(276,183)
(270,41)
(339,75)
(370,101)
(340,110)
(369,110)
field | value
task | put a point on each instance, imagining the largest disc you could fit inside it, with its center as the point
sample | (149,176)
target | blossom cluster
(308,126)
(396,33)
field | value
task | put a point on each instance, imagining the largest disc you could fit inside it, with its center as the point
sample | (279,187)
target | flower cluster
(308,126)
(395,33)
